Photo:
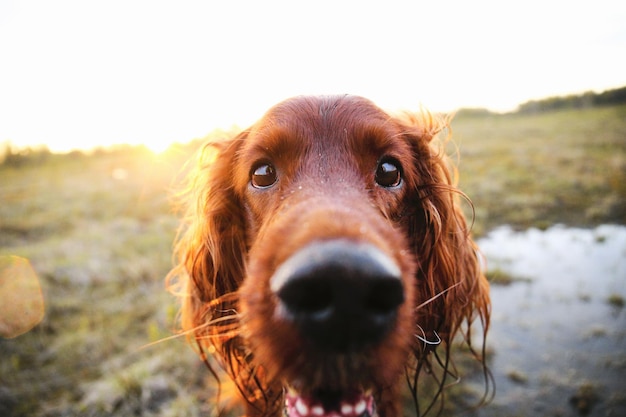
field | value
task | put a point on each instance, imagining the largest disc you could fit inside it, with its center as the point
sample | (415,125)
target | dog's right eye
(388,173)
(263,176)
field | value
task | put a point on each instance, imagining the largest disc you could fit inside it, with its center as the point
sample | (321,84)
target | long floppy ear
(210,249)
(450,283)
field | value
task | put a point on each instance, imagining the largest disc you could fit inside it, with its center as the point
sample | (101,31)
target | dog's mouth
(330,404)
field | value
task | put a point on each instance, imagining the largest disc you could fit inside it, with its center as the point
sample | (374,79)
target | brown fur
(325,150)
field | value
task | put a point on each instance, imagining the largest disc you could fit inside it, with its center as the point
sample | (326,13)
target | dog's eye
(388,173)
(263,176)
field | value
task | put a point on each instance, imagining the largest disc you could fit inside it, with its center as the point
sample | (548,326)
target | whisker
(221,336)
(225,326)
(163,340)
(433,298)
(188,332)
(232,320)
(428,342)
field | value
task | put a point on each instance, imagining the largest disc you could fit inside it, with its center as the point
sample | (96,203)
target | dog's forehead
(323,111)
(322,120)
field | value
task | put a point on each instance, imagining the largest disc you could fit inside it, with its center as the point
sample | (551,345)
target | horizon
(9,146)
(82,75)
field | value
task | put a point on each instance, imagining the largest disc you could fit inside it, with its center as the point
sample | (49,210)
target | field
(98,230)
(565,166)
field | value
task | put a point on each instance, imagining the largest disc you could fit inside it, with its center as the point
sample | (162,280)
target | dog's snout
(340,295)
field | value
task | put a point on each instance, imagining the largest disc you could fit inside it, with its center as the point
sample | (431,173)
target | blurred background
(101,105)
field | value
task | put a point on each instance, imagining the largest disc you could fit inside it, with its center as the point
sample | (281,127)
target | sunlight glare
(157,147)
(183,84)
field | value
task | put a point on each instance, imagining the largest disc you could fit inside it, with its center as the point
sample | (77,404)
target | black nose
(341,295)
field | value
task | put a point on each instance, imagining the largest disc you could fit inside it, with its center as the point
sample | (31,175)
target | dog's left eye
(263,176)
(388,173)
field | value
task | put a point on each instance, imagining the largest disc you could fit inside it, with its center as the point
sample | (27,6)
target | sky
(81,74)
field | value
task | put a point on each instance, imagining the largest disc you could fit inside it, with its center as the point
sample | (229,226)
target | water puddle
(558,335)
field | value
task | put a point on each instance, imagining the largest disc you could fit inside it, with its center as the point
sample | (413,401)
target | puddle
(558,335)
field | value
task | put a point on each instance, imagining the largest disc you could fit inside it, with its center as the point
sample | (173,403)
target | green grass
(536,170)
(101,244)
(616,300)
(497,276)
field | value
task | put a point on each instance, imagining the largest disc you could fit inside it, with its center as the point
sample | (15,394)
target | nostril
(384,297)
(308,296)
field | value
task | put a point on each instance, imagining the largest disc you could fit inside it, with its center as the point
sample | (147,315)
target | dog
(324,259)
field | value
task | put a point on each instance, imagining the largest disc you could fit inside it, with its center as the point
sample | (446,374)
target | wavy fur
(231,241)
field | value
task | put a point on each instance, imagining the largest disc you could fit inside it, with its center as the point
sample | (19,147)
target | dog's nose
(341,295)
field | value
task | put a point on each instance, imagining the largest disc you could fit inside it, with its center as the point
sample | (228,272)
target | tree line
(578,101)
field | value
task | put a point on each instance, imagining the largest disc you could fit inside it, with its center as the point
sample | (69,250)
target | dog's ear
(210,253)
(451,287)
(211,247)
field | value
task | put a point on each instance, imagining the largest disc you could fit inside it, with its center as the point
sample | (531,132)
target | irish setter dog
(324,258)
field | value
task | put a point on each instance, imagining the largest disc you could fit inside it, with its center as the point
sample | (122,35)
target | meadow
(98,229)
(535,170)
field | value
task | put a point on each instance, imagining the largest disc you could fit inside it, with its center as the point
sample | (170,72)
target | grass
(98,230)
(537,170)
(585,398)
(497,276)
(616,300)
(101,245)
